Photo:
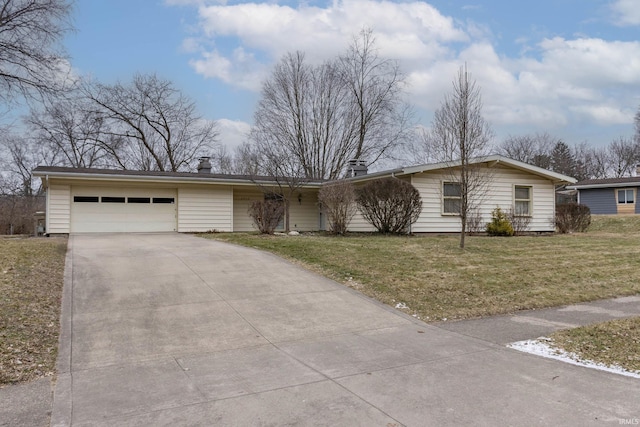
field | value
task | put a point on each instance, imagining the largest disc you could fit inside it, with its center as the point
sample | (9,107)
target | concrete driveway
(169,329)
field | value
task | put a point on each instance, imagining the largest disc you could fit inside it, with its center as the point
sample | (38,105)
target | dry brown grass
(611,343)
(31,279)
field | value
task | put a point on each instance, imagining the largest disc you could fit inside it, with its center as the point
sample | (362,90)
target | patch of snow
(401,305)
(542,347)
(294,233)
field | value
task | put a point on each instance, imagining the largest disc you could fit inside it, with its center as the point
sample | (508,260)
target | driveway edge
(62,406)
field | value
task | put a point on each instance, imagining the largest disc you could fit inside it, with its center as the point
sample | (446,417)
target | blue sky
(567,67)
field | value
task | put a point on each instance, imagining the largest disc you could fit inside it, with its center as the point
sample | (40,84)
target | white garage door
(96,209)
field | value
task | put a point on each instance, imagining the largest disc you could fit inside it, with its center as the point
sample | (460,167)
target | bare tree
(285,174)
(375,87)
(303,110)
(30,55)
(458,134)
(533,149)
(624,155)
(151,125)
(636,123)
(70,129)
(325,115)
(20,155)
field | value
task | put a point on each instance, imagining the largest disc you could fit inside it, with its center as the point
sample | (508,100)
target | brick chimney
(205,165)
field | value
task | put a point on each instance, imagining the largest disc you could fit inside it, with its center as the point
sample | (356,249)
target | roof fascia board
(494,160)
(163,179)
(610,185)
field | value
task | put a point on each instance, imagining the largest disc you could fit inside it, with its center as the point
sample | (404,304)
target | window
(85,199)
(451,198)
(522,200)
(106,199)
(625,196)
(139,200)
(164,200)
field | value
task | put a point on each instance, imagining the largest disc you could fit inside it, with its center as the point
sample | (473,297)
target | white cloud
(239,69)
(403,29)
(553,83)
(626,12)
(233,132)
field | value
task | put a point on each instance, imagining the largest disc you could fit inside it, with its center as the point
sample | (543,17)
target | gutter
(153,179)
(611,185)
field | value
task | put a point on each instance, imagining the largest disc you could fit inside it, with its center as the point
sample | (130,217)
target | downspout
(46,208)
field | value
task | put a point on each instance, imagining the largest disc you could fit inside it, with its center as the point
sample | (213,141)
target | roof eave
(605,185)
(166,179)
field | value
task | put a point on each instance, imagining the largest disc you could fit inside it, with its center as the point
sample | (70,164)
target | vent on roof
(205,165)
(356,167)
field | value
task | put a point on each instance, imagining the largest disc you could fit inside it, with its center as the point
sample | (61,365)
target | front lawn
(436,280)
(31,278)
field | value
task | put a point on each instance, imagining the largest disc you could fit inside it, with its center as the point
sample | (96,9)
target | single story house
(610,196)
(81,200)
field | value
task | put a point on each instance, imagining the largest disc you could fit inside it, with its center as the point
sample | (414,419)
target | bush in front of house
(500,224)
(519,223)
(389,204)
(572,217)
(266,214)
(339,202)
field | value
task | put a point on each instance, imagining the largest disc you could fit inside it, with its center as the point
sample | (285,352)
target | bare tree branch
(31,58)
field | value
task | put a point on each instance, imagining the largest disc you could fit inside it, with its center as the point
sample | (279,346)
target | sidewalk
(532,324)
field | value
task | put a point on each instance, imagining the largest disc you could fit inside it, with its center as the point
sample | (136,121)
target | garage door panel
(123,217)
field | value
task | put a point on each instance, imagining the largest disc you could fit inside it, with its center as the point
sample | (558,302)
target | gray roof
(632,181)
(93,173)
(67,171)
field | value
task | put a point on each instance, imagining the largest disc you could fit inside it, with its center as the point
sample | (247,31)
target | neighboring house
(101,200)
(612,196)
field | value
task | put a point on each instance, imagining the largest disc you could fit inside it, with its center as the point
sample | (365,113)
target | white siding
(304,211)
(58,208)
(500,193)
(203,209)
(242,197)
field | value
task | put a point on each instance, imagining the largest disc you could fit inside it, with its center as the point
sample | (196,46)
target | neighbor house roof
(492,160)
(633,181)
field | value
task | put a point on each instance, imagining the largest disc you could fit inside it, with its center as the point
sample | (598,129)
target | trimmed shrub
(389,204)
(499,225)
(572,217)
(339,202)
(266,214)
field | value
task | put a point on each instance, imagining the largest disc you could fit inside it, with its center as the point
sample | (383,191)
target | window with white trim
(451,198)
(522,200)
(626,196)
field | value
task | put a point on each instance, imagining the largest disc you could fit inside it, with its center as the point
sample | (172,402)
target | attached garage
(111,210)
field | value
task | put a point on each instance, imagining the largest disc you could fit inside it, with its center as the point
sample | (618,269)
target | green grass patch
(31,279)
(493,275)
(611,343)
